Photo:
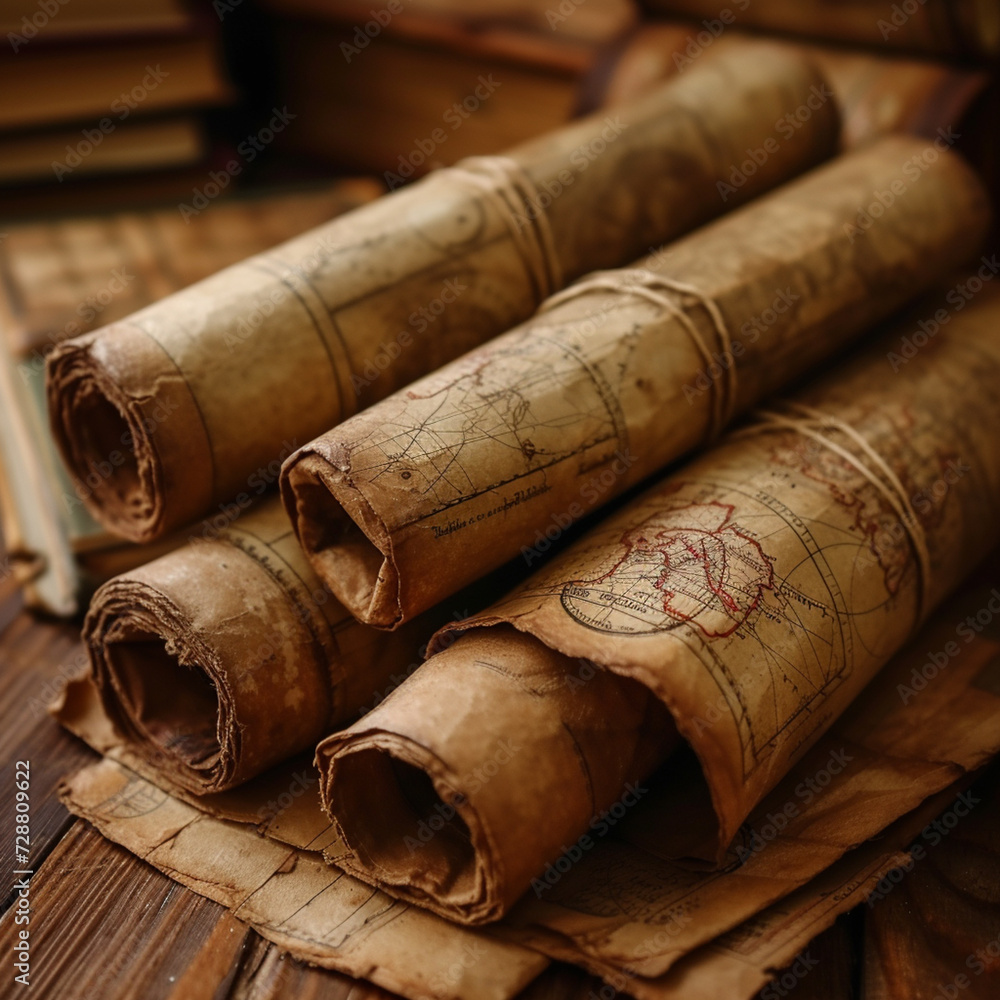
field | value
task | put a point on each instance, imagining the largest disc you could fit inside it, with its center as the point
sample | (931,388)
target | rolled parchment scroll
(501,450)
(228,655)
(754,592)
(176,406)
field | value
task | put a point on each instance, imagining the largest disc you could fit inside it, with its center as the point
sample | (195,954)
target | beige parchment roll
(754,592)
(176,406)
(228,655)
(501,450)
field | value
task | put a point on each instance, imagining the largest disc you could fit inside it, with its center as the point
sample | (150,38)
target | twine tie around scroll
(810,422)
(653,287)
(511,191)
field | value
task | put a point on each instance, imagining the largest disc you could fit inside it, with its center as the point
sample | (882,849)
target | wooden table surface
(105,924)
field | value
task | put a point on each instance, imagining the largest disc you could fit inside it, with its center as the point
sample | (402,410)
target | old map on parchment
(493,396)
(760,588)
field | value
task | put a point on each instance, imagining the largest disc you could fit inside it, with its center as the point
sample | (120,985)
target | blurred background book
(103,88)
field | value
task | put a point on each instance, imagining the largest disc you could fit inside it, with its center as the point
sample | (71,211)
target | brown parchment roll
(754,592)
(414,794)
(176,406)
(228,655)
(944,27)
(501,450)
(878,92)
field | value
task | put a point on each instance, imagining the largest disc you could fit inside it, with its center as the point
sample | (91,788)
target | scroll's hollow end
(108,453)
(341,551)
(175,707)
(407,829)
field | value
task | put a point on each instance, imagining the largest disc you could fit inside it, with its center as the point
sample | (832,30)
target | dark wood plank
(34,655)
(826,969)
(104,924)
(936,934)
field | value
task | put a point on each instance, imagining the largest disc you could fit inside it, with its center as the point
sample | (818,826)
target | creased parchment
(292,897)
(227,655)
(766,581)
(623,908)
(218,380)
(501,450)
(737,964)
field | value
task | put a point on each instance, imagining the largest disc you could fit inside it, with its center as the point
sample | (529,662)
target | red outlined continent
(689,564)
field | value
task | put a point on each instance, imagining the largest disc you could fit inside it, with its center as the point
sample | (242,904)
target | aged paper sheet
(292,897)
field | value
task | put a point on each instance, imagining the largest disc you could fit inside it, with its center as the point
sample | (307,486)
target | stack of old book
(402,88)
(568,547)
(407,87)
(101,89)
